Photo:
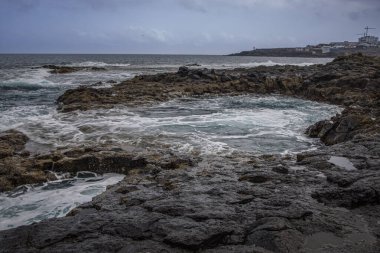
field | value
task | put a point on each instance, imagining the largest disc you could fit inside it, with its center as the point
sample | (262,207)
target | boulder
(319,129)
(11,142)
(183,71)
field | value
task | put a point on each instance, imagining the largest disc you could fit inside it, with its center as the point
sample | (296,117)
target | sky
(179,26)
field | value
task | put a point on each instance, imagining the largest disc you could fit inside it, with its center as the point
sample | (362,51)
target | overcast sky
(178,26)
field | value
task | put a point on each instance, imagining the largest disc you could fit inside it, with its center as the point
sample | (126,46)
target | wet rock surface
(12,158)
(54,69)
(346,81)
(216,205)
(168,202)
(22,169)
(12,142)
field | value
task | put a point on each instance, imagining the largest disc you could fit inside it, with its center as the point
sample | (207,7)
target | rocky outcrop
(217,205)
(345,81)
(350,81)
(325,200)
(68,69)
(11,142)
(18,170)
(16,167)
(345,126)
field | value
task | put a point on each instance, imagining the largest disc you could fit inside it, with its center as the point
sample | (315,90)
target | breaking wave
(216,125)
(271,63)
(27,78)
(99,64)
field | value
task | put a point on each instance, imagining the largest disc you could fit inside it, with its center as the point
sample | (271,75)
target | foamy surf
(33,203)
(271,63)
(26,79)
(98,64)
(269,124)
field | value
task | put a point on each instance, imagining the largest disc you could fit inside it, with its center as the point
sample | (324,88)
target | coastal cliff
(326,200)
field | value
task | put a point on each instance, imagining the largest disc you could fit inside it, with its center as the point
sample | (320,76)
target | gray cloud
(187,26)
(351,6)
(359,5)
(26,5)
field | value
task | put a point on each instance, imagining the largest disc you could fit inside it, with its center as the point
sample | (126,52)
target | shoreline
(292,52)
(267,203)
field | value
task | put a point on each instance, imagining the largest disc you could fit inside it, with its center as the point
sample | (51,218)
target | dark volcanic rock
(15,167)
(83,95)
(347,81)
(18,170)
(319,129)
(344,127)
(183,71)
(364,191)
(68,69)
(11,142)
(61,69)
(201,214)
(237,203)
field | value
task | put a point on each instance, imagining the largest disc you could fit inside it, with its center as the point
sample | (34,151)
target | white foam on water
(31,79)
(29,204)
(209,125)
(98,64)
(174,67)
(271,63)
(27,78)
(261,63)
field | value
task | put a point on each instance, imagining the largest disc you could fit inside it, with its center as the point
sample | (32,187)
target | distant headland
(367,44)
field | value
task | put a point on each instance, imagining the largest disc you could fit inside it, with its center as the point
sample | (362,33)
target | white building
(369,41)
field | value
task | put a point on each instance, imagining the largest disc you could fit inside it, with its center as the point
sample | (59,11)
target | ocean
(198,125)
(28,93)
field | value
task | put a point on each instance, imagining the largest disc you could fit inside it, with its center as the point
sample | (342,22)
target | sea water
(32,203)
(202,125)
(207,125)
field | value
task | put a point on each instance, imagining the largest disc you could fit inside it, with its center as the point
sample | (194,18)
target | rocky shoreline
(53,69)
(327,200)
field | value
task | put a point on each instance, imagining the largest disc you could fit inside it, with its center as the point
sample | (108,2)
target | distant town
(366,44)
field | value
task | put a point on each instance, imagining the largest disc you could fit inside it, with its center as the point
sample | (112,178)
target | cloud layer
(178,26)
